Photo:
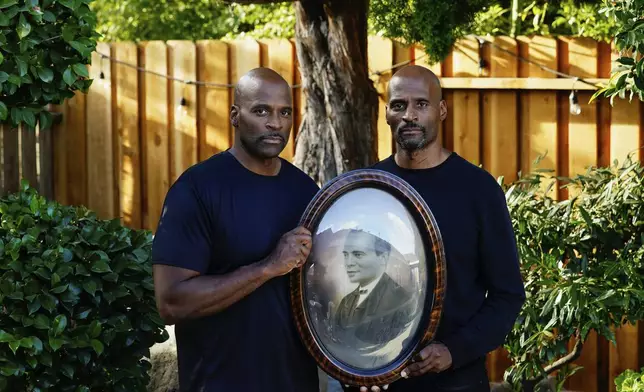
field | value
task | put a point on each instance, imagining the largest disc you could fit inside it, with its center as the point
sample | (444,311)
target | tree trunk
(338,131)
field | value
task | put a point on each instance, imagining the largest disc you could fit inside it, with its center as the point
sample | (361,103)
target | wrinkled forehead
(405,88)
(266,93)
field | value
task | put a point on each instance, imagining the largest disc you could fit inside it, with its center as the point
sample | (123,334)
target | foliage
(78,310)
(543,17)
(434,24)
(145,20)
(44,48)
(582,263)
(628,75)
(630,381)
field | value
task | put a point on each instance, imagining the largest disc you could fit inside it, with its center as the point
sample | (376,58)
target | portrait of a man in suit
(379,309)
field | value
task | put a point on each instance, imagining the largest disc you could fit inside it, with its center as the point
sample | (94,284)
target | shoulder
(384,164)
(296,175)
(479,180)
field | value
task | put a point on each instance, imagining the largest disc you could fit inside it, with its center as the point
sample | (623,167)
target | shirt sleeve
(499,259)
(183,235)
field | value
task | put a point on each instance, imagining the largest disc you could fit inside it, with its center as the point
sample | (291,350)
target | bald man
(485,291)
(225,243)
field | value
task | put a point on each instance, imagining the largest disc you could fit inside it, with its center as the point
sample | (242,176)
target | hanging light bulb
(575,107)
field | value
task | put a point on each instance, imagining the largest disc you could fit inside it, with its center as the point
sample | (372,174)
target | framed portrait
(370,294)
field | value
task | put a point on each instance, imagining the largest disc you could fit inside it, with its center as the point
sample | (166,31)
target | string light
(575,107)
(181,112)
(482,64)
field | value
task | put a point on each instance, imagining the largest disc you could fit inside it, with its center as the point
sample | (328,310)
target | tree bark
(338,130)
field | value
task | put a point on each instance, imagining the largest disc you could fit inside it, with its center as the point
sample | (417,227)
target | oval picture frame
(353,340)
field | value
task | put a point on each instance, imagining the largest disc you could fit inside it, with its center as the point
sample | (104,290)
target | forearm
(209,294)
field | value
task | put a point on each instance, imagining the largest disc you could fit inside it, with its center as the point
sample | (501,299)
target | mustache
(408,126)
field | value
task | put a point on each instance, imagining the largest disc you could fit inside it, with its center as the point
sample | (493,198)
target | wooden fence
(119,147)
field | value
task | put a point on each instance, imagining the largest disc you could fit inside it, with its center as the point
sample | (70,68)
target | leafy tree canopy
(433,23)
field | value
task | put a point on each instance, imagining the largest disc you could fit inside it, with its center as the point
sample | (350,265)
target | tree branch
(570,357)
(258,1)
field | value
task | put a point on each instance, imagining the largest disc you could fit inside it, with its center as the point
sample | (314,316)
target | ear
(234,115)
(443,109)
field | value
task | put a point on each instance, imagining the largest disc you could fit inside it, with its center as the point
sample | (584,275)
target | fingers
(425,361)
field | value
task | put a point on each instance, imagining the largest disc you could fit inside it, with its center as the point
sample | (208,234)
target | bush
(630,381)
(78,311)
(44,48)
(582,263)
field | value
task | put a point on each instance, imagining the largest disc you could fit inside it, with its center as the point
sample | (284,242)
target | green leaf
(34,306)
(3,76)
(67,370)
(4,112)
(626,60)
(69,77)
(94,329)
(46,75)
(41,322)
(7,3)
(97,346)
(5,337)
(67,255)
(90,286)
(14,345)
(59,324)
(45,358)
(15,80)
(29,118)
(100,266)
(24,28)
(48,16)
(56,343)
(81,70)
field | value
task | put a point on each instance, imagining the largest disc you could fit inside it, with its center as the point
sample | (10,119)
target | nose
(410,115)
(274,122)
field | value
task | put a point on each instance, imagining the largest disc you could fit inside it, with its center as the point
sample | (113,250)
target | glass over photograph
(365,281)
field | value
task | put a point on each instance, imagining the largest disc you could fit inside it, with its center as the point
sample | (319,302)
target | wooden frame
(435,274)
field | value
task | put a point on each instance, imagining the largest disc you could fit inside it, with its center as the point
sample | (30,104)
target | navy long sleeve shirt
(485,290)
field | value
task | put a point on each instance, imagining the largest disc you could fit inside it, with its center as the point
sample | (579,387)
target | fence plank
(101,195)
(624,130)
(582,153)
(244,55)
(182,57)
(28,156)
(76,147)
(154,137)
(539,111)
(500,146)
(280,57)
(46,143)
(465,107)
(127,144)
(11,159)
(500,127)
(214,102)
(59,136)
(381,57)
(624,140)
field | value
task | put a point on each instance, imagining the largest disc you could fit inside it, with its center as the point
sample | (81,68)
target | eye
(398,106)
(423,104)
(287,112)
(358,254)
(260,111)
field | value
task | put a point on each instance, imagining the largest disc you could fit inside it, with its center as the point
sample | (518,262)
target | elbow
(169,312)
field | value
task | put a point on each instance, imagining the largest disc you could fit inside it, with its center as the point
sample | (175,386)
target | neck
(431,156)
(264,167)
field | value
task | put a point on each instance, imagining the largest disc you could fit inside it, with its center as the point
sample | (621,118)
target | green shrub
(78,311)
(582,263)
(44,48)
(630,381)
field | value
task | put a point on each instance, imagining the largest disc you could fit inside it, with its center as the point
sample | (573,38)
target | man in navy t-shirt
(485,290)
(226,241)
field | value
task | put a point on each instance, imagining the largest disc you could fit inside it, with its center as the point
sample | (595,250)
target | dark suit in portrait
(383,315)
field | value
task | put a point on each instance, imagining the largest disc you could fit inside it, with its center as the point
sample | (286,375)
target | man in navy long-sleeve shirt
(485,290)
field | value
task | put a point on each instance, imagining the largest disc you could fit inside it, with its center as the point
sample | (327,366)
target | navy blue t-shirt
(485,290)
(219,216)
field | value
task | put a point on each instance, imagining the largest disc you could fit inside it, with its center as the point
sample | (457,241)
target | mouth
(352,273)
(411,131)
(272,140)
